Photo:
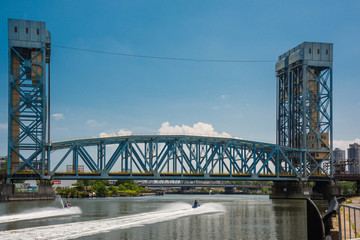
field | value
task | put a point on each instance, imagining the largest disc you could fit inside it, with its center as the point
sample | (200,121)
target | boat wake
(80,229)
(40,213)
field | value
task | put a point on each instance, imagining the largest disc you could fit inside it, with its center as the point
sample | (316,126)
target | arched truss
(174,157)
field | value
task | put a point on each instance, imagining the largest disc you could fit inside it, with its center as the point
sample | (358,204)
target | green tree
(113,190)
(80,185)
(264,190)
(100,189)
(348,187)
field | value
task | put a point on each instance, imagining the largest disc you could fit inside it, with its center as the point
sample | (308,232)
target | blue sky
(94,94)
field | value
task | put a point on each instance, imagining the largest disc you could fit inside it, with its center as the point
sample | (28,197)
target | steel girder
(173,157)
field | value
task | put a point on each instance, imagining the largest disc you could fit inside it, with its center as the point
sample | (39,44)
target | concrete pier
(291,190)
(7,193)
(303,190)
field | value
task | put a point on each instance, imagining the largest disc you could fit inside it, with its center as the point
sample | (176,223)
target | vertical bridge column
(304,106)
(29,52)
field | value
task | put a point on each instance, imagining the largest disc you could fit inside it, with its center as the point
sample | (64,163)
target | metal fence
(349,222)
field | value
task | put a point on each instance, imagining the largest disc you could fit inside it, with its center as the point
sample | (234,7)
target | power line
(166,58)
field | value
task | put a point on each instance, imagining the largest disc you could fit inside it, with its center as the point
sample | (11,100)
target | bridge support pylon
(357,187)
(327,189)
(45,187)
(229,190)
(291,190)
(6,190)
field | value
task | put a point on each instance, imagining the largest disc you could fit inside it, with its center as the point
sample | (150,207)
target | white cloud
(58,116)
(198,129)
(121,132)
(3,126)
(224,96)
(91,123)
(344,144)
(94,123)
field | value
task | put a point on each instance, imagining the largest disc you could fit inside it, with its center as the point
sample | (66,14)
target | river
(156,217)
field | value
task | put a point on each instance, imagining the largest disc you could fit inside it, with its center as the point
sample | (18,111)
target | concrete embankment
(7,193)
(26,197)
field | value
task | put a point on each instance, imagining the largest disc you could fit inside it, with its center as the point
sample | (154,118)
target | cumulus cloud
(198,129)
(3,126)
(344,144)
(58,116)
(121,132)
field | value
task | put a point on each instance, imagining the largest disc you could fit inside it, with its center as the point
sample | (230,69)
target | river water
(156,217)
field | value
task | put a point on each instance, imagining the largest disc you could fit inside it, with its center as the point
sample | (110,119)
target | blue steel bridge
(303,149)
(159,157)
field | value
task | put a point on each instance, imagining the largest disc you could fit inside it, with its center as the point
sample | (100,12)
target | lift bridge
(303,151)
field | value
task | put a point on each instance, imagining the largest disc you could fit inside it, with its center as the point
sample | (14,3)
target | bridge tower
(29,54)
(304,106)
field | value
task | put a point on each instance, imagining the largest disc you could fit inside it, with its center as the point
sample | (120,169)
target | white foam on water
(80,229)
(40,213)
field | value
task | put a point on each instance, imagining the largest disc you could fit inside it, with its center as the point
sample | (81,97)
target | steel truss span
(159,157)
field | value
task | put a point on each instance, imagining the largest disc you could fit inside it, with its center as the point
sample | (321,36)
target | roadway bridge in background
(347,177)
(202,184)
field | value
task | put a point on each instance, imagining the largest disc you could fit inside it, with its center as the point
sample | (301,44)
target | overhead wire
(165,58)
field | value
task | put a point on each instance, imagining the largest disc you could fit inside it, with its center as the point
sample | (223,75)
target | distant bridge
(202,184)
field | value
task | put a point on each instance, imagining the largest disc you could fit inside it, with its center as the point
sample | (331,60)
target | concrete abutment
(303,190)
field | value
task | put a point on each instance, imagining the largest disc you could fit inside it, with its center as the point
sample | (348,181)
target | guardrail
(349,222)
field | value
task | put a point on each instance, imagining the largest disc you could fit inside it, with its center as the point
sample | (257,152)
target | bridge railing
(349,222)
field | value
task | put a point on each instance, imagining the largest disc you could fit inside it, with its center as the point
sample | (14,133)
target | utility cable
(166,58)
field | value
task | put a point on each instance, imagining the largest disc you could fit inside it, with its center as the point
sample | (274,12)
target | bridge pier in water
(45,188)
(327,189)
(229,189)
(291,190)
(6,189)
(357,187)
(303,190)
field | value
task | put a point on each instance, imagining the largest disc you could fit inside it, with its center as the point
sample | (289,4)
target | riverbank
(350,222)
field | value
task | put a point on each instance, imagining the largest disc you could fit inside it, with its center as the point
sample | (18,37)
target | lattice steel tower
(304,105)
(29,53)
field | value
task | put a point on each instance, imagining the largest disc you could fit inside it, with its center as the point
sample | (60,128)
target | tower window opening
(15,29)
(318,51)
(27,30)
(327,52)
(37,31)
(309,50)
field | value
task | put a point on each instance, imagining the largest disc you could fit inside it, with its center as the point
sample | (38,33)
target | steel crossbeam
(173,157)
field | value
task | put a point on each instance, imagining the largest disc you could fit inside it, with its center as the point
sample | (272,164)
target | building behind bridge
(2,162)
(339,161)
(354,157)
